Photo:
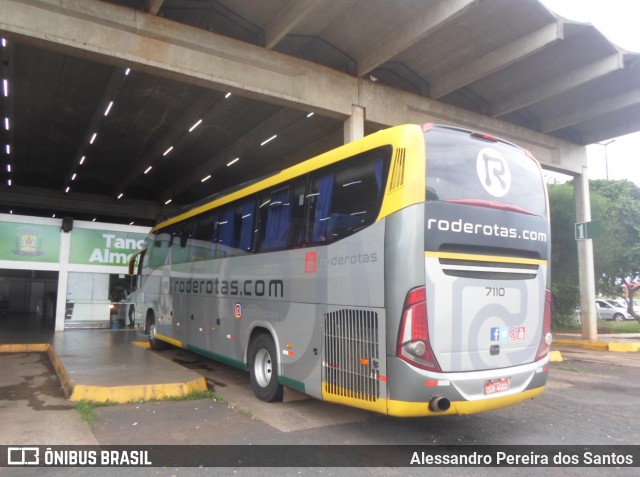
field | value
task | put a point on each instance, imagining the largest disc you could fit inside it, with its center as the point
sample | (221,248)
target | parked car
(611,310)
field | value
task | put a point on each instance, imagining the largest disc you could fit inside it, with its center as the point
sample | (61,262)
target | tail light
(413,340)
(546,338)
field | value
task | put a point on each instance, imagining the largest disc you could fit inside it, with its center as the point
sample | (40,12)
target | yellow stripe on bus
(416,409)
(169,340)
(485,258)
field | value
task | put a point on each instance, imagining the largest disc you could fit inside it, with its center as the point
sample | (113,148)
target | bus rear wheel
(263,369)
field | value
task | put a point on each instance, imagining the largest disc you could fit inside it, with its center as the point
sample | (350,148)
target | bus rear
(476,335)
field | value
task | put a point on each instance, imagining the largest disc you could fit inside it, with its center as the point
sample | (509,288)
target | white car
(610,310)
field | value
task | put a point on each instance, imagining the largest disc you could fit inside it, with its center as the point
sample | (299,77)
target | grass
(604,326)
(87,408)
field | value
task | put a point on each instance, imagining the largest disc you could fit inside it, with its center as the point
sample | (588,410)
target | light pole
(606,157)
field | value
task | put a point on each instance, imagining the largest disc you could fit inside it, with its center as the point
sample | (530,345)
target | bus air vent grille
(397,175)
(351,354)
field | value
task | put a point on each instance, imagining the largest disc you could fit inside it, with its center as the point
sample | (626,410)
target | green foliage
(566,298)
(615,207)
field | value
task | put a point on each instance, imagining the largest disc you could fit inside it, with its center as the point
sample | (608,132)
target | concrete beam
(429,19)
(109,33)
(288,18)
(558,85)
(497,60)
(592,110)
(46,199)
(386,106)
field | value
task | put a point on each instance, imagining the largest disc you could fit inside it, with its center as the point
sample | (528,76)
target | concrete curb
(103,394)
(598,345)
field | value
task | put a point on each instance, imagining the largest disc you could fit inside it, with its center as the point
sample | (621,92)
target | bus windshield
(482,171)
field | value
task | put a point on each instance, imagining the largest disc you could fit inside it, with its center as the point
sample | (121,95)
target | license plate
(496,386)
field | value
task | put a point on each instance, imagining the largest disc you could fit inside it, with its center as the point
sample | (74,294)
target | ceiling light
(5,87)
(131,223)
(146,171)
(53,216)
(268,140)
(227,96)
(8,149)
(82,159)
(6,123)
(120,195)
(4,42)
(310,114)
(66,191)
(205,179)
(167,151)
(93,220)
(73,177)
(108,108)
(93,138)
(167,202)
(233,162)
(9,182)
(8,167)
(195,125)
(127,71)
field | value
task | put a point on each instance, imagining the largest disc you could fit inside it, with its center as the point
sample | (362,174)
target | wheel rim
(263,368)
(152,331)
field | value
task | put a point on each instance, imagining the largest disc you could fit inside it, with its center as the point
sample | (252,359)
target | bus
(404,273)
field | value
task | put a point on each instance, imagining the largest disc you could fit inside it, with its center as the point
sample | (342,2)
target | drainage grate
(350,359)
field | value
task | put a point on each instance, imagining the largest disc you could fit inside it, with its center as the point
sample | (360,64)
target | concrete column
(63,278)
(354,124)
(585,259)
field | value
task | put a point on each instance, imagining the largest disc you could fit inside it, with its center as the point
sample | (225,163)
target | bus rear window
(462,167)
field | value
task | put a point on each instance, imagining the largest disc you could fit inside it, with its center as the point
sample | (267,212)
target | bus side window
(202,243)
(244,224)
(275,220)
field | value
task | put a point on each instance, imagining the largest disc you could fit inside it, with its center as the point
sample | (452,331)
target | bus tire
(150,327)
(263,369)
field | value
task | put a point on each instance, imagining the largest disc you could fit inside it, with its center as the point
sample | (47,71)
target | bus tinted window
(281,217)
(460,167)
(346,197)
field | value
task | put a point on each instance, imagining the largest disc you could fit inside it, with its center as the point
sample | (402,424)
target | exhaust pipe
(439,404)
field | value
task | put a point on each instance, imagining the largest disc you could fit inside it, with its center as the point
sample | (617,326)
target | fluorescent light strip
(8,167)
(146,171)
(93,138)
(5,87)
(73,177)
(120,196)
(66,191)
(167,151)
(82,159)
(227,96)
(268,140)
(233,162)
(127,71)
(108,108)
(205,179)
(4,42)
(168,202)
(195,125)
(8,149)
(6,123)
(310,114)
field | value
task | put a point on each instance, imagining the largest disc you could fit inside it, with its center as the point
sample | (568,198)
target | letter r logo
(310,262)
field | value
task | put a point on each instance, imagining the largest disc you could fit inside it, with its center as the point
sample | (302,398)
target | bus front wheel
(154,342)
(263,369)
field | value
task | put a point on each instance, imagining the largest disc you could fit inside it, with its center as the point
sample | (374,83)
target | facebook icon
(495,334)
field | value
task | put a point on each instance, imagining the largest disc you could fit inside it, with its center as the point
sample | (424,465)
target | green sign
(103,247)
(29,243)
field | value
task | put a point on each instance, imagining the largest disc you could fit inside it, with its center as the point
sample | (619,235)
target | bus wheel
(263,369)
(154,342)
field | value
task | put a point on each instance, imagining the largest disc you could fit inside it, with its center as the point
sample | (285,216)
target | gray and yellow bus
(403,273)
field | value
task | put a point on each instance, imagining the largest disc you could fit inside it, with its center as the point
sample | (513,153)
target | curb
(103,394)
(598,345)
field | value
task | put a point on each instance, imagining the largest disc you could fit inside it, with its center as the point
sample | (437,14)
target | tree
(615,208)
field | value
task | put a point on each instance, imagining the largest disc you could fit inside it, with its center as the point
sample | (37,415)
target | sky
(619,21)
